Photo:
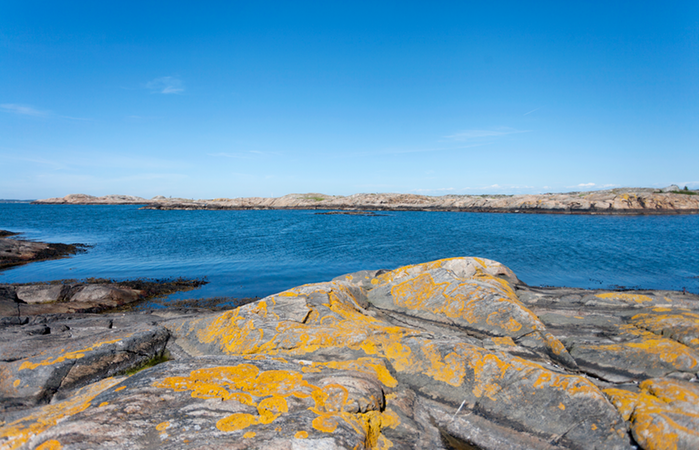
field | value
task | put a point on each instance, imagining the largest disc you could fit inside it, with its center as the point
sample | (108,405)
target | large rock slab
(448,354)
(65,355)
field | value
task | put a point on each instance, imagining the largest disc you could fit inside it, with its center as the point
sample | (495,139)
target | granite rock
(450,354)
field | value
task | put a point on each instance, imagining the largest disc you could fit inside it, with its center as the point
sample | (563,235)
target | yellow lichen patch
(16,383)
(652,427)
(414,292)
(561,406)
(678,394)
(51,444)
(629,298)
(20,431)
(663,415)
(77,354)
(236,422)
(120,388)
(624,401)
(301,435)
(373,366)
(506,341)
(249,435)
(466,301)
(103,404)
(272,388)
(685,325)
(162,426)
(667,351)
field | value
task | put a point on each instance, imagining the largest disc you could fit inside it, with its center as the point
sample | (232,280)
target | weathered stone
(449,354)
(34,368)
(663,415)
(103,294)
(232,403)
(40,293)
(16,251)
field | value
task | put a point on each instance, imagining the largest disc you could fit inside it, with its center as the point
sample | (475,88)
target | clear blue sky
(229,99)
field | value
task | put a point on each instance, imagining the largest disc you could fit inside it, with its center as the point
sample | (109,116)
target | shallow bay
(257,253)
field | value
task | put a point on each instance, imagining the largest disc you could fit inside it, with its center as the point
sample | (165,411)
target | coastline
(621,201)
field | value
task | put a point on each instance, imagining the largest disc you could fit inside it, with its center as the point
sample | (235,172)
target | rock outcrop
(614,201)
(71,296)
(15,252)
(455,353)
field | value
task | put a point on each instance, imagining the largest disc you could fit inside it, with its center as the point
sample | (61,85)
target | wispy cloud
(23,110)
(585,185)
(468,135)
(166,85)
(533,110)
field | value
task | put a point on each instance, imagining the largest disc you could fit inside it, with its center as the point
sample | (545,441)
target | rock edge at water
(454,353)
(615,201)
(14,252)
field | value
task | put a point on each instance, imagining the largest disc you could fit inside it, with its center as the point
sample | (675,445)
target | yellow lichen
(301,435)
(51,444)
(20,431)
(506,341)
(249,435)
(629,298)
(246,382)
(162,426)
(77,354)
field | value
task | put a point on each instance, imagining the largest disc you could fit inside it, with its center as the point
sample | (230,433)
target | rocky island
(670,200)
(449,354)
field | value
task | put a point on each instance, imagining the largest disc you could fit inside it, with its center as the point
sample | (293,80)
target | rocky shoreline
(450,354)
(633,201)
(14,252)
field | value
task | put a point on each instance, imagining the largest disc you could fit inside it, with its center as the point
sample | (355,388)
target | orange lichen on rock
(51,444)
(646,344)
(663,415)
(628,298)
(681,326)
(15,434)
(372,366)
(268,391)
(76,354)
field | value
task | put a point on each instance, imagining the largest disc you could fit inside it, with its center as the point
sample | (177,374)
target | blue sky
(204,99)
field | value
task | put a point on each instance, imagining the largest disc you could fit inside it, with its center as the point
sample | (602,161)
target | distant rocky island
(670,200)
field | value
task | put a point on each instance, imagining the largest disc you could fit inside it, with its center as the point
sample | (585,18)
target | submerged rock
(454,353)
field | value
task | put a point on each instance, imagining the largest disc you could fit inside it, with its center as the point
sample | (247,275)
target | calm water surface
(257,253)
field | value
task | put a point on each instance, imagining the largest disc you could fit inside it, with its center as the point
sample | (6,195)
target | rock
(36,367)
(664,414)
(69,297)
(15,252)
(614,201)
(672,187)
(450,354)
(40,293)
(102,293)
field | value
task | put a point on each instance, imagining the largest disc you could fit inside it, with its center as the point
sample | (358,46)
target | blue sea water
(257,253)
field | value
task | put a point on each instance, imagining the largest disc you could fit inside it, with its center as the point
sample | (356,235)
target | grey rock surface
(449,354)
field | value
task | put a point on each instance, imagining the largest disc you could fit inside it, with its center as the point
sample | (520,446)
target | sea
(244,254)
